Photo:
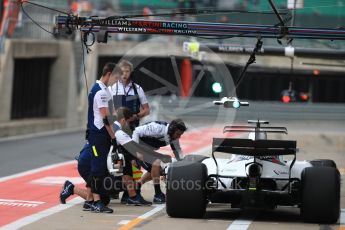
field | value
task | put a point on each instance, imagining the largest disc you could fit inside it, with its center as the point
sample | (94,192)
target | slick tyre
(320,195)
(323,162)
(186,192)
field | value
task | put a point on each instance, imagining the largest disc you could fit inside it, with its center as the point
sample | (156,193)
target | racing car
(255,176)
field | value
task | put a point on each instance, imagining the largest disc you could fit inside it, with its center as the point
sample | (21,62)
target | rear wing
(250,147)
(247,128)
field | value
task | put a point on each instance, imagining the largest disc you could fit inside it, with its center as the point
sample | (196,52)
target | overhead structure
(221,30)
(288,51)
(98,29)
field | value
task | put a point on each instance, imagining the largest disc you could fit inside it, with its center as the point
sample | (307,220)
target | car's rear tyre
(186,192)
(194,158)
(323,163)
(320,195)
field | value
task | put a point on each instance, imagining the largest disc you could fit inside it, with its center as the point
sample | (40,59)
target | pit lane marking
(141,218)
(20,203)
(32,171)
(243,222)
(57,180)
(37,216)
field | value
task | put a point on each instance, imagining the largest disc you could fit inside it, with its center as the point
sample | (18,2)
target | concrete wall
(6,81)
(63,98)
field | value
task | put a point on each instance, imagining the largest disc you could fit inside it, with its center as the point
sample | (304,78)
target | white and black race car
(255,176)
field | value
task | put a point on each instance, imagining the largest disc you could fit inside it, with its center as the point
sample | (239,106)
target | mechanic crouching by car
(157,134)
(123,118)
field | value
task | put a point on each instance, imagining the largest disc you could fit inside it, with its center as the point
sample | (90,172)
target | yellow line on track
(131,224)
(141,218)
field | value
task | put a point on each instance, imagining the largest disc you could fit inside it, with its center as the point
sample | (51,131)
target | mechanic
(100,135)
(116,74)
(124,117)
(84,167)
(128,94)
(157,134)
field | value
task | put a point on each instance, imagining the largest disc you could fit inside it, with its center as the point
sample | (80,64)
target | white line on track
(123,222)
(242,223)
(2,179)
(22,201)
(35,217)
(40,134)
(152,212)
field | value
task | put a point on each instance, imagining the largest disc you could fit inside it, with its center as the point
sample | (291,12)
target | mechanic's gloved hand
(166,158)
(180,158)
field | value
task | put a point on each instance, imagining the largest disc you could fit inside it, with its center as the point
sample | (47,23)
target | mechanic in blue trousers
(84,167)
(157,134)
(100,136)
(112,185)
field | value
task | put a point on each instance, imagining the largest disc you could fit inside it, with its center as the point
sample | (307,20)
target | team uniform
(98,138)
(131,96)
(111,186)
(156,134)
(123,138)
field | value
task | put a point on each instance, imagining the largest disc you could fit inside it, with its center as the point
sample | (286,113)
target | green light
(217,87)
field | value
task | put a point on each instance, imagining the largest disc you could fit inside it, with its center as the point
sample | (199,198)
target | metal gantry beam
(275,50)
(221,30)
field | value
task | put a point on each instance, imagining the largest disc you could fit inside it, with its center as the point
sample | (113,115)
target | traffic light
(217,87)
(288,96)
(304,96)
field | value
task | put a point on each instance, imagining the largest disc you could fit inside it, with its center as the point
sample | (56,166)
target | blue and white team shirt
(99,97)
(122,138)
(155,134)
